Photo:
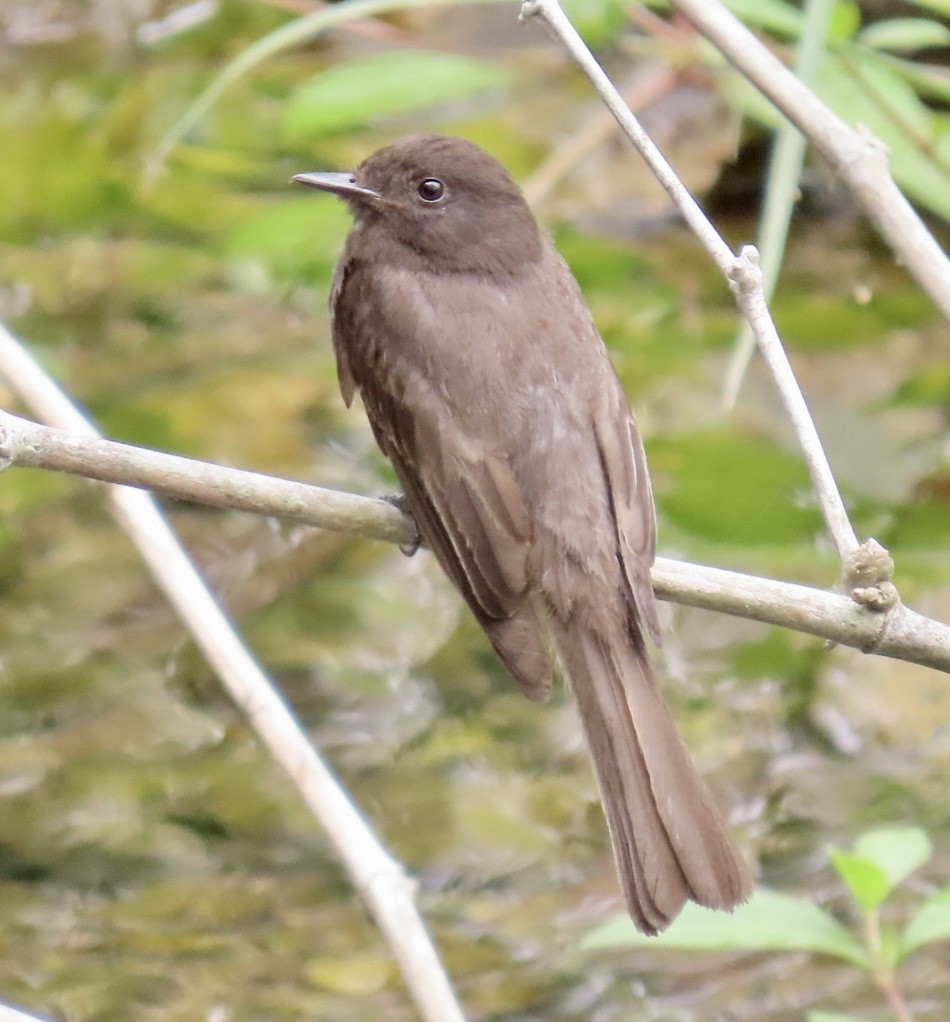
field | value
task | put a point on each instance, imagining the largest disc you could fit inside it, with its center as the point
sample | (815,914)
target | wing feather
(343,371)
(465,499)
(470,512)
(628,483)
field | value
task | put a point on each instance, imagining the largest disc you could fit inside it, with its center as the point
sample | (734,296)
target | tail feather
(669,840)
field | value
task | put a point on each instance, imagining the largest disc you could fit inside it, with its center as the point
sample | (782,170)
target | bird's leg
(398,501)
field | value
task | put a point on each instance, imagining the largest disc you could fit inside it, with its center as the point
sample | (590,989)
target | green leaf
(298,236)
(291,34)
(768,921)
(899,108)
(867,882)
(937,6)
(354,93)
(898,851)
(831,1016)
(865,90)
(881,859)
(925,387)
(926,79)
(770,15)
(598,21)
(905,34)
(845,22)
(930,925)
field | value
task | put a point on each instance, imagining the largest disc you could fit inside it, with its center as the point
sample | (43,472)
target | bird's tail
(669,840)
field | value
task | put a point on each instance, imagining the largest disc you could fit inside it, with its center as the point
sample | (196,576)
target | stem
(883,970)
(378,877)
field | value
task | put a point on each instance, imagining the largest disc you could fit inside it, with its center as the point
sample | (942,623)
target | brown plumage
(490,391)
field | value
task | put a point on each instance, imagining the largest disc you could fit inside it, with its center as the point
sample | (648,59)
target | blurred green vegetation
(153,863)
(873,872)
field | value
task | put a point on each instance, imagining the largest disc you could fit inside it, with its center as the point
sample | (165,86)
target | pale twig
(377,876)
(853,154)
(560,24)
(900,633)
(746,282)
(176,22)
(27,443)
(741,271)
(781,189)
(11,1014)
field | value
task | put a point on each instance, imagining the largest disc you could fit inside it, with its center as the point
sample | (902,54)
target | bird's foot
(398,501)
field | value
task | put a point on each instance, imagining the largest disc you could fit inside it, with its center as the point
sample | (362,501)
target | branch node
(744,274)
(393,878)
(861,152)
(529,8)
(874,146)
(878,597)
(8,443)
(867,576)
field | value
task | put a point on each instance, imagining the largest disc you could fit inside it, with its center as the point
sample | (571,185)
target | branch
(10,1014)
(898,632)
(854,155)
(381,881)
(31,445)
(741,271)
(781,187)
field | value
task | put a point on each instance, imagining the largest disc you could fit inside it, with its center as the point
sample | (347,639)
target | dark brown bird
(490,391)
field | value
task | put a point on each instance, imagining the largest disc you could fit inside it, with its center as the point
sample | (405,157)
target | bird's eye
(431,190)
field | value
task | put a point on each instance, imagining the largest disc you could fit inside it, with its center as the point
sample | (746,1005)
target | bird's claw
(398,501)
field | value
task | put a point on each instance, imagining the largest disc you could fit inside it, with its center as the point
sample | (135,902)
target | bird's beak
(344,185)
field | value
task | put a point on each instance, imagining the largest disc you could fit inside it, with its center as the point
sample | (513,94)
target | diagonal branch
(852,153)
(741,271)
(388,892)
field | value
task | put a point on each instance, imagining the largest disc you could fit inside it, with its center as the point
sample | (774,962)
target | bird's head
(444,200)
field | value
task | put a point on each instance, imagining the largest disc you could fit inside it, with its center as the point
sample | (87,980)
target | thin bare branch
(379,878)
(746,281)
(11,1014)
(855,156)
(27,443)
(741,271)
(781,188)
(898,632)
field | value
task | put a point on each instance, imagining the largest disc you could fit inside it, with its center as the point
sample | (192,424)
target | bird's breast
(517,340)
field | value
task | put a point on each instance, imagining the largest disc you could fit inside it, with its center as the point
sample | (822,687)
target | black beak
(344,185)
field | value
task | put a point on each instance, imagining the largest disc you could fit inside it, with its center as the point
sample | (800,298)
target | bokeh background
(154,864)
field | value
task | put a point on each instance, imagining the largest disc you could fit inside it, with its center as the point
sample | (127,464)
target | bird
(492,394)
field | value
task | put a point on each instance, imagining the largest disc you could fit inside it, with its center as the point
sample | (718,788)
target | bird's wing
(625,467)
(465,499)
(470,511)
(344,374)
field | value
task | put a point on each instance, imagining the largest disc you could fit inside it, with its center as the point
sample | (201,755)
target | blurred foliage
(367,89)
(153,863)
(881,861)
(879,75)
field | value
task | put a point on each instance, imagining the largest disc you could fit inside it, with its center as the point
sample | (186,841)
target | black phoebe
(489,389)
